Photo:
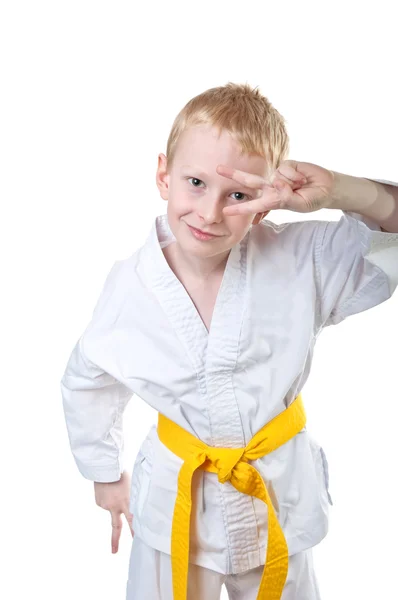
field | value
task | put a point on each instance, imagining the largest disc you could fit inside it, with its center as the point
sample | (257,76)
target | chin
(199,249)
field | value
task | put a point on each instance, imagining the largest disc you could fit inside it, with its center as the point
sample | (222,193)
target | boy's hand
(115,497)
(298,186)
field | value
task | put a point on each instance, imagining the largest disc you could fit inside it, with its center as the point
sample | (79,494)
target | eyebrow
(196,169)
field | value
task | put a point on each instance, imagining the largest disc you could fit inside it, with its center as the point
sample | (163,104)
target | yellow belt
(231,464)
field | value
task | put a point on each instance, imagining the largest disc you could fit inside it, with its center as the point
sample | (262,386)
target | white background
(89,93)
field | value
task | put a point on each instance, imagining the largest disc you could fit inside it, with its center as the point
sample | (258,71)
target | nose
(210,209)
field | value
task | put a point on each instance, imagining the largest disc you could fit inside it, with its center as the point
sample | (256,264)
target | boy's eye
(240,194)
(195,180)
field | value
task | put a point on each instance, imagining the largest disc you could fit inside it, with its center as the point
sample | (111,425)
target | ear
(162,177)
(259,217)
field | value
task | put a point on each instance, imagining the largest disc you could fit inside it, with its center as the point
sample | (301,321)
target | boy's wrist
(351,193)
(360,195)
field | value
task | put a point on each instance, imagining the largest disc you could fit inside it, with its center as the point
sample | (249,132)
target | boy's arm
(93,400)
(374,199)
(305,187)
(94,403)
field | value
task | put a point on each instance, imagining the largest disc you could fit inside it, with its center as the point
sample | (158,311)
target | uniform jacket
(283,284)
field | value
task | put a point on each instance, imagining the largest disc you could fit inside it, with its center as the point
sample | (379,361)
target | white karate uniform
(150,578)
(282,285)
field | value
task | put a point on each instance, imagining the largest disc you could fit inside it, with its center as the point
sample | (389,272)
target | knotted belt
(231,464)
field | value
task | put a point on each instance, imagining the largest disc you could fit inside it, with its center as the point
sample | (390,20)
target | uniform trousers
(150,578)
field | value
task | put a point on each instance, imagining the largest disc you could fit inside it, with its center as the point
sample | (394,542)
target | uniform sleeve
(93,403)
(384,181)
(357,267)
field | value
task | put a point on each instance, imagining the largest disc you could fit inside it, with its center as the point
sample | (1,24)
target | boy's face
(197,194)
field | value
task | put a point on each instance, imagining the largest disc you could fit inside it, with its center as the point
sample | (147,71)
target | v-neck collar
(178,305)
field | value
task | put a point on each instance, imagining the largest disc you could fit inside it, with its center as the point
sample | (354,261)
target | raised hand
(297,186)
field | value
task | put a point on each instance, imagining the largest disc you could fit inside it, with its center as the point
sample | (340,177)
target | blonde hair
(242,111)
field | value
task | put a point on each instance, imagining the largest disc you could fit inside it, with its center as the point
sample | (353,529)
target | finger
(295,185)
(248,180)
(252,207)
(285,193)
(116,530)
(289,170)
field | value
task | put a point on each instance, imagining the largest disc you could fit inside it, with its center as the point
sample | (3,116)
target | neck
(193,266)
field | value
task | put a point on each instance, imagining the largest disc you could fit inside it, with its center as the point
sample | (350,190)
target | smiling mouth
(204,232)
(204,235)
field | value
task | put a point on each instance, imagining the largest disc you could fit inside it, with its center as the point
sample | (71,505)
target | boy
(213,322)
